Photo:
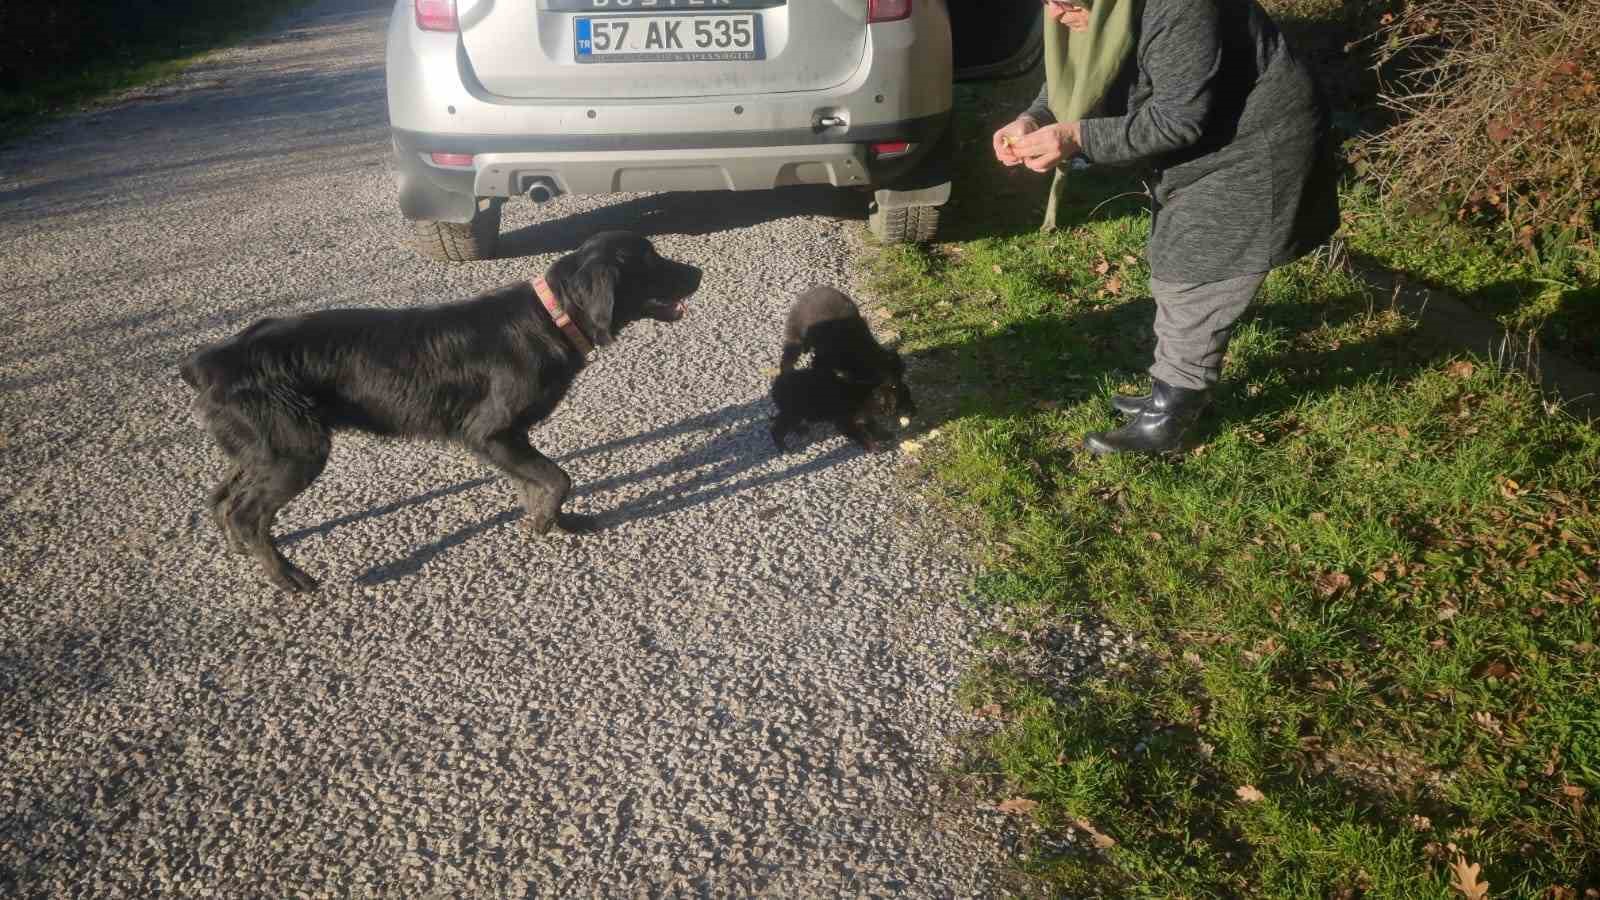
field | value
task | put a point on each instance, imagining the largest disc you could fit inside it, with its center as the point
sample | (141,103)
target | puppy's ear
(593,289)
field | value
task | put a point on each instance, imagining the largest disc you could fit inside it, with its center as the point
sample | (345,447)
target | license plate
(672,38)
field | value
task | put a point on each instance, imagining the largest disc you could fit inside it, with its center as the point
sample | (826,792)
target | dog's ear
(593,291)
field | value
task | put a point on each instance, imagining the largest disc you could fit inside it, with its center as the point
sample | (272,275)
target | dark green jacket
(1237,131)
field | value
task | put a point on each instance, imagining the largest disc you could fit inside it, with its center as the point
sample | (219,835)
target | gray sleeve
(1182,55)
(1040,110)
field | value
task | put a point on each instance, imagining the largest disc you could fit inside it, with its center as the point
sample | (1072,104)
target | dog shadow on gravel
(715,469)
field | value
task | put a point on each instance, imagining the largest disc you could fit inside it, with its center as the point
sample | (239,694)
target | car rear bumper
(507,166)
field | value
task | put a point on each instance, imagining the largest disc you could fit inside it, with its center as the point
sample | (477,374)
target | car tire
(904,225)
(460,241)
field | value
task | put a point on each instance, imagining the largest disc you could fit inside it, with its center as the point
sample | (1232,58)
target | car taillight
(436,15)
(452,160)
(887,10)
(890,149)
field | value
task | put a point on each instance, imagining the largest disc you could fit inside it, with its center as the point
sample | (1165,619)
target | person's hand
(1076,18)
(1005,139)
(1045,148)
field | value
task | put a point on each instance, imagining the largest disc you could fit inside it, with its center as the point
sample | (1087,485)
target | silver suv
(495,99)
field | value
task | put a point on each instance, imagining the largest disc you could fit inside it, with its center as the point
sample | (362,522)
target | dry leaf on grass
(991,711)
(1464,878)
(1017,806)
(1193,658)
(1461,369)
(1420,823)
(1113,286)
(1249,794)
(1498,669)
(1102,266)
(1097,837)
(1330,583)
(1488,723)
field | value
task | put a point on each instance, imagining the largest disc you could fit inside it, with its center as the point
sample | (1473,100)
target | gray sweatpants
(1194,321)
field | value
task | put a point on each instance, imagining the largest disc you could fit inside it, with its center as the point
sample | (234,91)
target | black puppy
(827,323)
(830,395)
(480,372)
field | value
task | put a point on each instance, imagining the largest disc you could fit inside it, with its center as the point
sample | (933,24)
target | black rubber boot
(1130,405)
(1159,427)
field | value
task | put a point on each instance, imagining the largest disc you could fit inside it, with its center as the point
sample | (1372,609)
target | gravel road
(742,686)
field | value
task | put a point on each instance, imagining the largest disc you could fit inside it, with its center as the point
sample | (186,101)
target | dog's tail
(195,372)
(205,366)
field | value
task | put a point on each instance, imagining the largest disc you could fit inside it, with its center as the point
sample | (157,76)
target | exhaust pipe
(542,190)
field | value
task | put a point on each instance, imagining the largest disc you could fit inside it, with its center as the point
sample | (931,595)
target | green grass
(182,44)
(1553,291)
(1371,593)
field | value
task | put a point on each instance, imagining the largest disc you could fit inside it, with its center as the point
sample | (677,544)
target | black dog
(828,324)
(480,372)
(829,395)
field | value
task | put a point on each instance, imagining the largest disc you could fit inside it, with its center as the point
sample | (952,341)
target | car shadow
(682,212)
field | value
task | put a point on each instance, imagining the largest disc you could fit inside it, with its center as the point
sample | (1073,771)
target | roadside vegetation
(1368,601)
(56,56)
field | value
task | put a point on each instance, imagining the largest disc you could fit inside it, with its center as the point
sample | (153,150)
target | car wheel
(905,224)
(460,241)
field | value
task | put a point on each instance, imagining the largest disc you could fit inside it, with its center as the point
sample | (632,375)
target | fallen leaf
(1017,806)
(1193,658)
(1420,823)
(1318,517)
(997,269)
(1446,612)
(1572,790)
(1378,575)
(1155,535)
(1461,369)
(1464,878)
(1330,583)
(1130,259)
(1553,763)
(1097,837)
(992,711)
(1114,285)
(1101,267)
(1488,723)
(1249,794)
(1497,669)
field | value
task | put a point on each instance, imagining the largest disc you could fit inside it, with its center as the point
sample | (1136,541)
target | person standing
(1208,94)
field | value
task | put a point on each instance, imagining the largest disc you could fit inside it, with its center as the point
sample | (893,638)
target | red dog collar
(563,321)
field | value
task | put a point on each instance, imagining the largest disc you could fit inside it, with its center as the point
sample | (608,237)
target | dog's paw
(292,579)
